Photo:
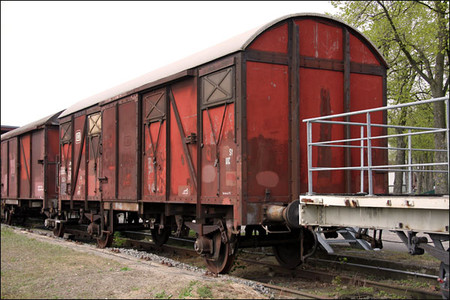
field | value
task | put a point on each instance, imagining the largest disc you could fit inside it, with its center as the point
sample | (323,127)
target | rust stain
(324,159)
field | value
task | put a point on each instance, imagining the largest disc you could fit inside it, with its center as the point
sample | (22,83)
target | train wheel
(7,217)
(59,229)
(160,238)
(105,240)
(224,262)
(289,255)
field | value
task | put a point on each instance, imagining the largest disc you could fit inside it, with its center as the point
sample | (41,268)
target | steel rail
(329,277)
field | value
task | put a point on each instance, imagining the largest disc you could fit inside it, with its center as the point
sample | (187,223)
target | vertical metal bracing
(294,110)
(86,163)
(116,180)
(45,165)
(362,161)
(168,144)
(8,170)
(409,163)
(309,145)
(140,150)
(241,134)
(369,154)
(72,162)
(31,165)
(198,205)
(347,151)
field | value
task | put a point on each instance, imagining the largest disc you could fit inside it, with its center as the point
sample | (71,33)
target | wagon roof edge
(167,73)
(48,120)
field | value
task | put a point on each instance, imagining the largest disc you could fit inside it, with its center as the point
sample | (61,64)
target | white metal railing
(365,143)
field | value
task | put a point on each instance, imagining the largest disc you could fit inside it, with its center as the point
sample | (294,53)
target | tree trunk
(399,160)
(440,142)
(437,90)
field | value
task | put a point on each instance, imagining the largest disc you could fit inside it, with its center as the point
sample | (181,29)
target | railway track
(182,248)
(322,276)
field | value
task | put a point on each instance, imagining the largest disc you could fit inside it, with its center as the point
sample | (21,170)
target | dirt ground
(35,266)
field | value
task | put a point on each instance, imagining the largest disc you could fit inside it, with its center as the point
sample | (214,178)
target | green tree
(413,36)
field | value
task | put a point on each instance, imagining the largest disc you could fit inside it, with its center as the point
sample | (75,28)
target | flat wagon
(214,143)
(29,169)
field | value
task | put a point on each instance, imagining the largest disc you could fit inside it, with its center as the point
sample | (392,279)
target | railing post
(309,155)
(362,161)
(409,163)
(369,155)
(448,141)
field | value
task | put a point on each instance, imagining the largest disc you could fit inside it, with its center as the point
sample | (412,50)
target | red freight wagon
(215,142)
(29,169)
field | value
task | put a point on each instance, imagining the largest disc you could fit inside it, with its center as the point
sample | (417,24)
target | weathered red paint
(29,164)
(273,40)
(25,166)
(14,175)
(181,182)
(154,136)
(225,132)
(323,96)
(320,39)
(79,159)
(65,171)
(109,142)
(219,153)
(369,89)
(127,158)
(4,166)
(267,131)
(37,165)
(361,53)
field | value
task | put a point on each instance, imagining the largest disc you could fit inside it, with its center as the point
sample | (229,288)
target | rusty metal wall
(94,155)
(29,165)
(14,167)
(323,96)
(230,132)
(25,166)
(109,152)
(127,149)
(37,164)
(5,169)
(154,117)
(65,157)
(183,162)
(219,165)
(369,89)
(51,172)
(79,158)
(267,132)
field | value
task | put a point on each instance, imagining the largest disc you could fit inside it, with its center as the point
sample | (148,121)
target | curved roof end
(232,45)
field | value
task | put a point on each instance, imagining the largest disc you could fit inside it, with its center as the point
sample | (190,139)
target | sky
(56,53)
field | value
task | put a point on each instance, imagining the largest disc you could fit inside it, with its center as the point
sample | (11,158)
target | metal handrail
(366,144)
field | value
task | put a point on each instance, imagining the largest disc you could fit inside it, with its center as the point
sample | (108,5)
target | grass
(204,291)
(33,269)
(187,291)
(118,240)
(162,295)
